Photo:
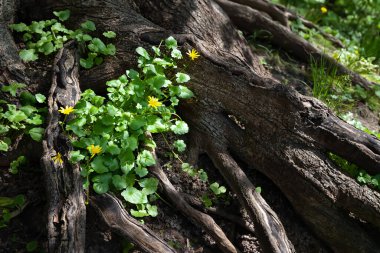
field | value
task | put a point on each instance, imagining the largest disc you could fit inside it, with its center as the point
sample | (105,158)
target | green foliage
(217,193)
(31,246)
(337,91)
(258,189)
(350,119)
(12,88)
(48,36)
(354,171)
(180,145)
(25,118)
(127,246)
(356,23)
(207,202)
(216,189)
(7,206)
(137,103)
(16,164)
(323,75)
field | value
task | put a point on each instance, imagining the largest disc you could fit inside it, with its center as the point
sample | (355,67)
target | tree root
(66,210)
(270,230)
(270,9)
(219,212)
(203,220)
(343,139)
(283,15)
(112,212)
(249,20)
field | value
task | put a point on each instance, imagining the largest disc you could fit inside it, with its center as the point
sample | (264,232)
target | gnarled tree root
(218,211)
(249,20)
(66,210)
(111,210)
(269,227)
(283,16)
(203,220)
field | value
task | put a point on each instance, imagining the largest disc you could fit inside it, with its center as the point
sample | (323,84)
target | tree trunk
(243,119)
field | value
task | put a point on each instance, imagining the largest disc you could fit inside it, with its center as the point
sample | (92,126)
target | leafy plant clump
(8,206)
(111,135)
(24,118)
(48,36)
(354,171)
(338,92)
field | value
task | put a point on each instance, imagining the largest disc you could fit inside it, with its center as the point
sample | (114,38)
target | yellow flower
(57,159)
(94,150)
(153,102)
(67,110)
(193,54)
(323,9)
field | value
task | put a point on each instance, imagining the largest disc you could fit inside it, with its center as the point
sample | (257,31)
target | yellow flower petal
(193,54)
(57,159)
(323,9)
(67,110)
(153,102)
(94,150)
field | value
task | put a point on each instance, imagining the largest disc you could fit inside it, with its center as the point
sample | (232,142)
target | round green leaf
(62,15)
(134,196)
(28,55)
(109,34)
(40,98)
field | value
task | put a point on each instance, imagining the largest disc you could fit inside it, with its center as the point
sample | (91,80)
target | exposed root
(199,218)
(311,25)
(66,210)
(270,9)
(344,140)
(283,16)
(112,212)
(270,230)
(249,20)
(330,202)
(219,212)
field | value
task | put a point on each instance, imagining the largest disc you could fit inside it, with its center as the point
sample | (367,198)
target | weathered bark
(239,107)
(111,210)
(217,211)
(197,217)
(12,69)
(66,210)
(269,227)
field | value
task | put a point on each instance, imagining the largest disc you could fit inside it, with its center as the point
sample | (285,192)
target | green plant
(110,135)
(16,164)
(323,76)
(48,36)
(354,171)
(7,206)
(350,119)
(25,118)
(31,246)
(217,189)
